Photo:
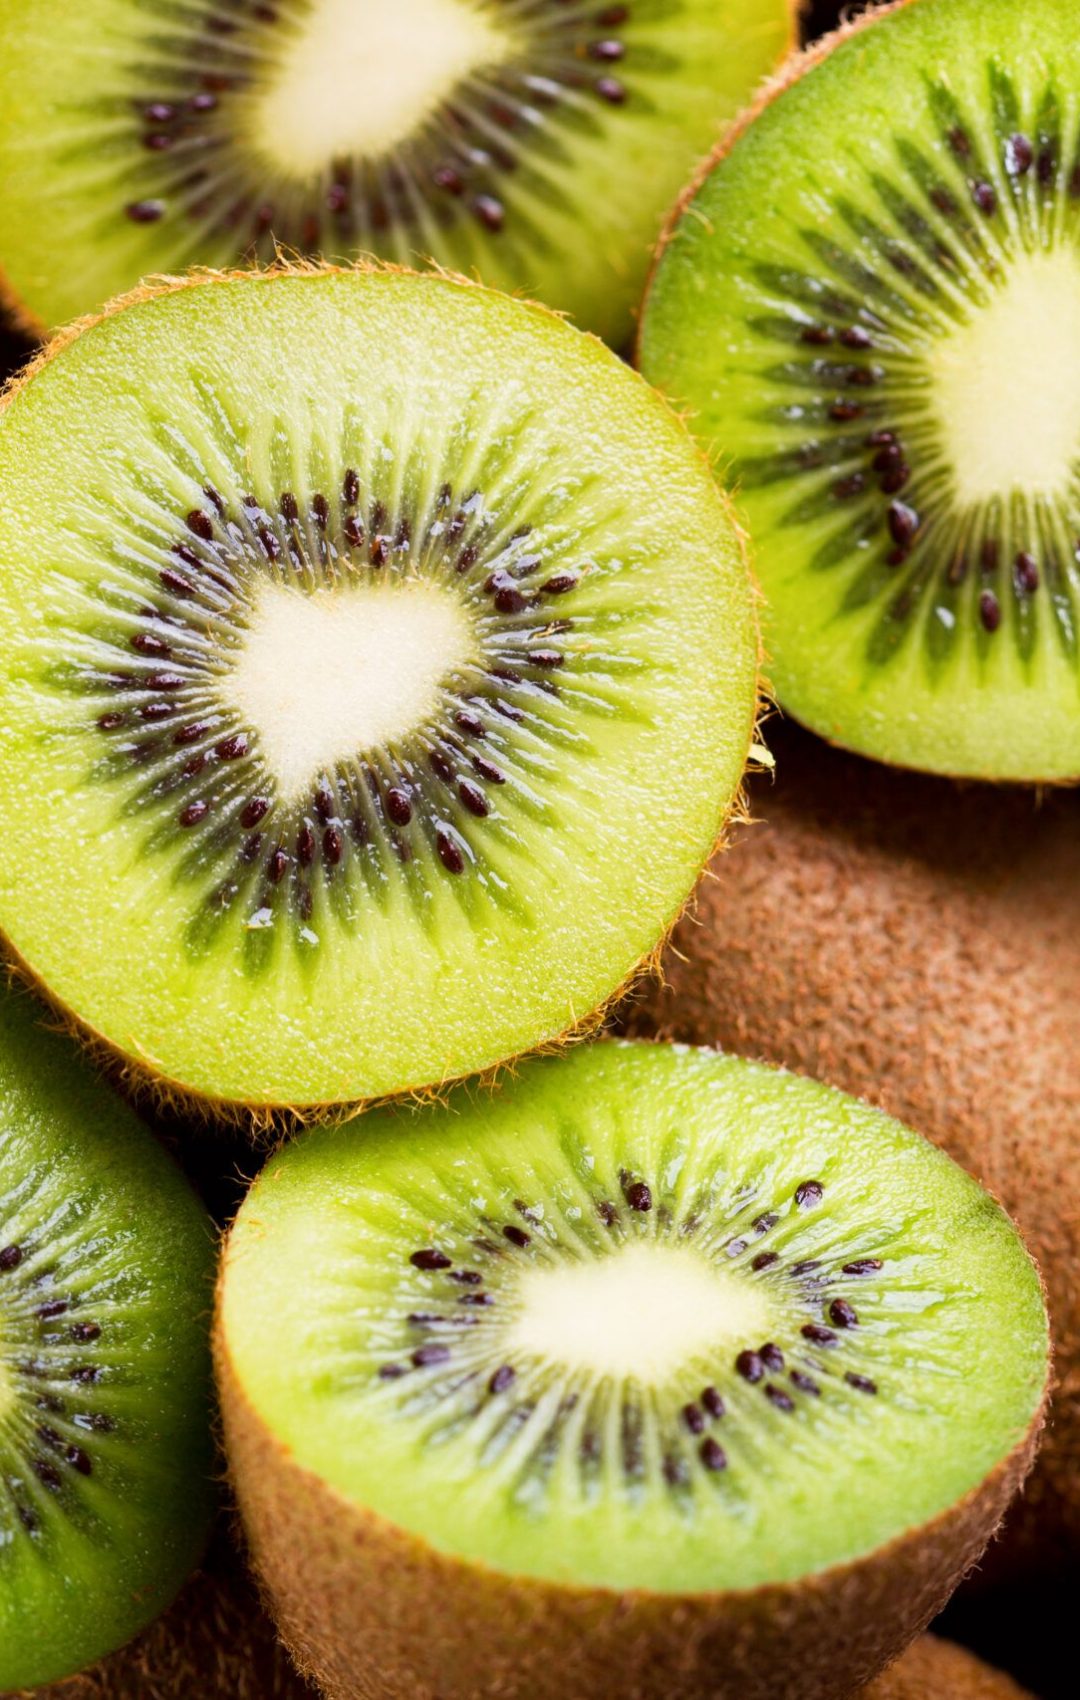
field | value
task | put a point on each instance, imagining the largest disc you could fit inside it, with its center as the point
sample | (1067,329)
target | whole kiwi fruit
(935,1670)
(915,942)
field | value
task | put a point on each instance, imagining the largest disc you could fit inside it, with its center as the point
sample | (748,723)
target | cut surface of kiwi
(871,309)
(105,1287)
(351,719)
(538,143)
(652,1350)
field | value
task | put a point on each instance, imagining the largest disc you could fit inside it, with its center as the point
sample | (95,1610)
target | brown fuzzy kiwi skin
(139,1078)
(914,942)
(371,1612)
(936,1670)
(215,1643)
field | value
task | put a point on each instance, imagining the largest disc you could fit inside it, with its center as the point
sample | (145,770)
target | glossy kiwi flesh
(870,309)
(105,1281)
(646,1357)
(350,719)
(538,143)
(914,942)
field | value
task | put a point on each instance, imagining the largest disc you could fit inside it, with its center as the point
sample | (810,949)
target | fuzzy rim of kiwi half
(651,1370)
(884,355)
(106,1285)
(538,143)
(379,669)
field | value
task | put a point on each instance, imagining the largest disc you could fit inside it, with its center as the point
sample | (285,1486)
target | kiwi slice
(537,142)
(350,717)
(105,1281)
(872,306)
(935,1670)
(943,983)
(641,1358)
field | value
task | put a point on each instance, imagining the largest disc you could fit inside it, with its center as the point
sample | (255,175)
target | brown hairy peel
(914,942)
(374,1613)
(139,1077)
(936,1670)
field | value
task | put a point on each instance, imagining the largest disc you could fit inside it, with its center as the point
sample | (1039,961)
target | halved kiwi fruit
(915,942)
(871,308)
(655,1372)
(105,1286)
(935,1670)
(536,142)
(351,722)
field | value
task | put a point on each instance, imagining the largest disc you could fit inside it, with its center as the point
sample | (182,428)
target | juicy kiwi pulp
(143,136)
(105,1452)
(887,353)
(345,690)
(649,1319)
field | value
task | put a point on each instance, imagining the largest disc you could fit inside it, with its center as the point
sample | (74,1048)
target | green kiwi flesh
(642,1356)
(106,1263)
(538,144)
(349,714)
(870,308)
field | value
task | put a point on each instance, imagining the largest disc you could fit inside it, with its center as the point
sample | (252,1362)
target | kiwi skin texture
(154,1093)
(913,942)
(936,1670)
(214,1643)
(370,1611)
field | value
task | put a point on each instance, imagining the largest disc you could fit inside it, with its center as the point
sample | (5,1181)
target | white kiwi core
(1007,384)
(326,675)
(641,1312)
(358,78)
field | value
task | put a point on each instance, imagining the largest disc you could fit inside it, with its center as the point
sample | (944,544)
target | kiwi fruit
(934,1670)
(870,306)
(710,1379)
(214,1643)
(106,1271)
(914,942)
(538,143)
(349,716)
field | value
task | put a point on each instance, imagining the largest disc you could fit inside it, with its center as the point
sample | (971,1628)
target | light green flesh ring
(379,667)
(106,1268)
(870,311)
(647,1318)
(537,145)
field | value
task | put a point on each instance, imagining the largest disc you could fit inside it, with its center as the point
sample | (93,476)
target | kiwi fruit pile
(539,858)
(886,356)
(538,143)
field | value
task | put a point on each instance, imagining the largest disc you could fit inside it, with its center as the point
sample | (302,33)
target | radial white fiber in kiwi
(643,1355)
(535,143)
(870,309)
(106,1268)
(379,668)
